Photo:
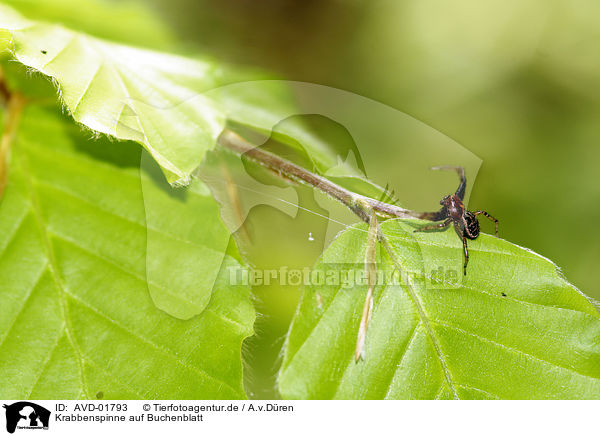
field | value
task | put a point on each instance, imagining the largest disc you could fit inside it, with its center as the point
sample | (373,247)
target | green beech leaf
(129,93)
(125,21)
(174,106)
(186,242)
(77,319)
(513,328)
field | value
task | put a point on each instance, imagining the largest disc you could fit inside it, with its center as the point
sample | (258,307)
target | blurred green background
(515,82)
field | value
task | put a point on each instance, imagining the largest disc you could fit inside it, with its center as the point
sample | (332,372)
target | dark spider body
(453,212)
(472,225)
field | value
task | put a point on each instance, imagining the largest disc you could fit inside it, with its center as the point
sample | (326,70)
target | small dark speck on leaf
(44,51)
(99,395)
(503,294)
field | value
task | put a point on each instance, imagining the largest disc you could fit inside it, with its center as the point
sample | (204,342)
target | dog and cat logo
(26,415)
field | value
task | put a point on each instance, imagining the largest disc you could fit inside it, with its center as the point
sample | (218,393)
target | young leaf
(77,319)
(141,95)
(174,106)
(125,21)
(512,328)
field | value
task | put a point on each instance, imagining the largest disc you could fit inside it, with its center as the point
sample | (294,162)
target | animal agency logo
(26,415)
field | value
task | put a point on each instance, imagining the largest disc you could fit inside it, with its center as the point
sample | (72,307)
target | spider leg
(464,239)
(432,216)
(435,226)
(462,187)
(488,216)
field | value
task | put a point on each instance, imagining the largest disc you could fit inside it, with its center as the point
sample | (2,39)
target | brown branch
(359,204)
(4,92)
(14,108)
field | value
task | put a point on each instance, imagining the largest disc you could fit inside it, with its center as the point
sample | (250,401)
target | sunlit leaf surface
(77,318)
(513,328)
(129,93)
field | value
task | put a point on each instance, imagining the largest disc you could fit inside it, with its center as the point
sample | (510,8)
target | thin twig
(367,209)
(359,204)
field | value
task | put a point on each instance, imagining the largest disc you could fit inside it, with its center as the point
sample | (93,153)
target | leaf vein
(31,291)
(113,377)
(509,348)
(154,345)
(46,361)
(15,231)
(468,387)
(58,53)
(54,270)
(413,335)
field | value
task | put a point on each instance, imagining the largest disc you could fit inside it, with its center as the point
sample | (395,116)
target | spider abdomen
(471,230)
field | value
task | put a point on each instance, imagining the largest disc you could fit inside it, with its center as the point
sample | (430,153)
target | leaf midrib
(423,316)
